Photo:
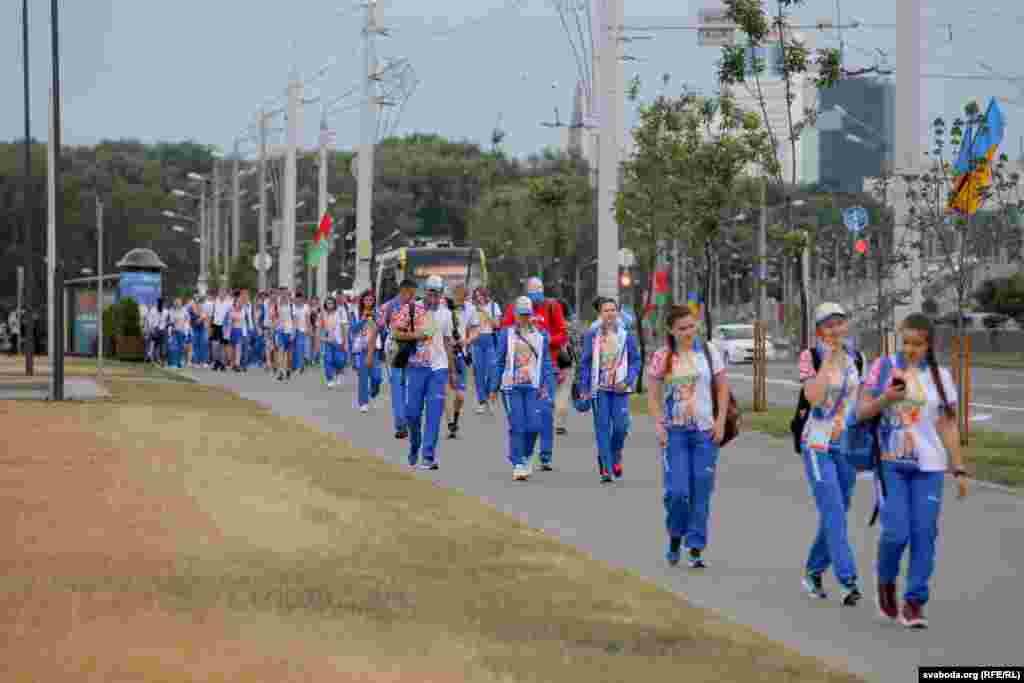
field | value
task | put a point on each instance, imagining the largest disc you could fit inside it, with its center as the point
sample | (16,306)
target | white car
(736,342)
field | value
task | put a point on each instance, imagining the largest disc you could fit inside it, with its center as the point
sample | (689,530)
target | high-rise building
(858,139)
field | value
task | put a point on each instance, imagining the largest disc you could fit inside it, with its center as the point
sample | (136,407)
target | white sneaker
(480,409)
(364,409)
(520,472)
(330,384)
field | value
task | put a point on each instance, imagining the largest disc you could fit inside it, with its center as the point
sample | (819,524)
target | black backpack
(803,407)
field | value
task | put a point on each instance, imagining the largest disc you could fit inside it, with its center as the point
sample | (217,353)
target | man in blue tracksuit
(396,376)
(526,376)
(609,367)
(430,369)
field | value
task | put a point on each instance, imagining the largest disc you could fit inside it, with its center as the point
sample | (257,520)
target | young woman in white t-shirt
(920,442)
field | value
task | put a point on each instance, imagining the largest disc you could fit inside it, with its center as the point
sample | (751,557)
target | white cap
(826,311)
(524,306)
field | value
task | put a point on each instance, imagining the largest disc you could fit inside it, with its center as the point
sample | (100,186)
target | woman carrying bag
(684,377)
(919,442)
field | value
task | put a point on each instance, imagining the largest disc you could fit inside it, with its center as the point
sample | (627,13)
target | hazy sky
(201,68)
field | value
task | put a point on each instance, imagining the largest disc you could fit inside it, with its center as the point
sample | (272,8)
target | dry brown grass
(178,533)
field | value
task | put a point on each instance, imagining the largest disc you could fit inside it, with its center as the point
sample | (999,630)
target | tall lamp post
(29,341)
(56,304)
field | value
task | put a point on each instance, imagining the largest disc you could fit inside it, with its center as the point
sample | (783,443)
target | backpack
(803,406)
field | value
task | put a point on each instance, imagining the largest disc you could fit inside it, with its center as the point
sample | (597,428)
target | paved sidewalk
(762,522)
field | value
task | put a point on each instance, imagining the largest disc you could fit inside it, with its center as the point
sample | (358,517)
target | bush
(122,319)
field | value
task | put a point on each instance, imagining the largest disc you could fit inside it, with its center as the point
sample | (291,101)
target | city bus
(456,265)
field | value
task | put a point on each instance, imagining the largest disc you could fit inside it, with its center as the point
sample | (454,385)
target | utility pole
(215,198)
(26,318)
(57,302)
(204,244)
(610,149)
(262,237)
(99,284)
(368,134)
(321,267)
(236,216)
(286,256)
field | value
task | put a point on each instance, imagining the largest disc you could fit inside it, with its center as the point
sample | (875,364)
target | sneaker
(330,384)
(814,586)
(364,408)
(520,473)
(546,467)
(912,615)
(401,434)
(617,470)
(695,560)
(605,477)
(480,409)
(888,605)
(850,594)
(673,553)
(453,429)
(561,431)
(426,465)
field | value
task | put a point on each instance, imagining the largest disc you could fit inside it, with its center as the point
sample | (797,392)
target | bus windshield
(456,266)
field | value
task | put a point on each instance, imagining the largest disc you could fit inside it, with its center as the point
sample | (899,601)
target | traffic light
(625,280)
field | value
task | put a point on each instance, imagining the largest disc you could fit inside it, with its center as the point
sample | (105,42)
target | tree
(741,65)
(692,154)
(243,274)
(955,235)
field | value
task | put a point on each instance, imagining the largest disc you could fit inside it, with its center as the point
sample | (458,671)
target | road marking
(980,418)
(791,383)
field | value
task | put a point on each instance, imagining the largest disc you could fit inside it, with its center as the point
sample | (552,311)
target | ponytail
(921,323)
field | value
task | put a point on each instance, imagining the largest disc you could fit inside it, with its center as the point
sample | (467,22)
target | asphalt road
(762,523)
(997,400)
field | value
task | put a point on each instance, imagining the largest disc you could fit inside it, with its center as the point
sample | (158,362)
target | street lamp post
(99,284)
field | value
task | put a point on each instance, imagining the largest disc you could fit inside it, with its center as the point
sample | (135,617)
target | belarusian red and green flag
(321,240)
(660,289)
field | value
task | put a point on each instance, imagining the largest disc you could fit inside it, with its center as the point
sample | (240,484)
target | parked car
(736,342)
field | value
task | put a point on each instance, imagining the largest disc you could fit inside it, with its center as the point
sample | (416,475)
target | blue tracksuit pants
(424,393)
(369,378)
(176,349)
(397,379)
(909,514)
(523,410)
(689,463)
(611,424)
(299,351)
(831,479)
(334,359)
(484,354)
(200,345)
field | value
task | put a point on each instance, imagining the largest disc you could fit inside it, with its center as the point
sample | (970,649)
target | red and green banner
(660,289)
(321,239)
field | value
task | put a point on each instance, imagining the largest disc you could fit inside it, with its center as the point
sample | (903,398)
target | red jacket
(558,333)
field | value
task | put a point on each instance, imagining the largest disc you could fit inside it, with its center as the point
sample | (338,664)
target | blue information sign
(143,287)
(855,219)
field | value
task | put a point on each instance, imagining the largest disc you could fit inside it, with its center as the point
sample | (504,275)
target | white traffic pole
(286,264)
(261,240)
(610,151)
(236,218)
(321,267)
(99,284)
(368,134)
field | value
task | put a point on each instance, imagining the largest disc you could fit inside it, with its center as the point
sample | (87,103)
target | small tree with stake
(943,203)
(740,65)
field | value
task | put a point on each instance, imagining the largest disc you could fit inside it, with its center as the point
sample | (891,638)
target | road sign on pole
(262,262)
(716,30)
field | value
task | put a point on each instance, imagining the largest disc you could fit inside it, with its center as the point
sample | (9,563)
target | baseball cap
(524,306)
(534,286)
(434,284)
(826,311)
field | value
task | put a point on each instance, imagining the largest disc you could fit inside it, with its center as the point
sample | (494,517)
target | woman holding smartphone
(919,441)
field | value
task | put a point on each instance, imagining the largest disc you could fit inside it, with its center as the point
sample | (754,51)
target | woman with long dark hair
(679,399)
(364,330)
(919,442)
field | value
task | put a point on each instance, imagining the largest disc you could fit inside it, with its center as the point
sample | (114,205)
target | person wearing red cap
(547,317)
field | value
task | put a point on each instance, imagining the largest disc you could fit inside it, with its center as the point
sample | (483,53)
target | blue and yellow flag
(974,165)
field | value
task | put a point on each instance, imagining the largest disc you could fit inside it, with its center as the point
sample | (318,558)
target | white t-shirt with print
(468,319)
(909,428)
(687,386)
(442,329)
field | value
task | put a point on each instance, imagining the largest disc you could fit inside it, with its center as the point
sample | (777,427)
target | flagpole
(321,267)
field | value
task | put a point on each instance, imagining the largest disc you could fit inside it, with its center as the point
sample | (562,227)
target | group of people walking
(895,417)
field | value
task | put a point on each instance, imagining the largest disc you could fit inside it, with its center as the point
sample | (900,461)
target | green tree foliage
(243,274)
